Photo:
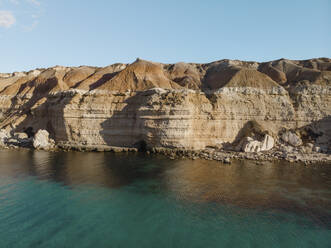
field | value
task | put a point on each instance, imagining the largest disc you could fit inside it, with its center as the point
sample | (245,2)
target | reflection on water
(104,169)
(280,185)
(152,189)
(244,183)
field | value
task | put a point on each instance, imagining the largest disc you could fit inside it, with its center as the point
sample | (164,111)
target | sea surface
(69,199)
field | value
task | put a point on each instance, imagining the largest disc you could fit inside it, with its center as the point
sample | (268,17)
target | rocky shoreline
(307,154)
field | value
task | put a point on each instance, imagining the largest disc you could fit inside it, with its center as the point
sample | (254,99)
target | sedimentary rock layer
(183,105)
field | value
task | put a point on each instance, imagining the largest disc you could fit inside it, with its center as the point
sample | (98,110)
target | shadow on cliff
(42,111)
(16,109)
(48,116)
(103,80)
(318,132)
(126,128)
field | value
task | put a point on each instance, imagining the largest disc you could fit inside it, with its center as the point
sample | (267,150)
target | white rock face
(291,138)
(41,140)
(4,135)
(251,145)
(267,143)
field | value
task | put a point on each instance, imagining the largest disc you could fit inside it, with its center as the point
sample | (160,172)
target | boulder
(268,143)
(251,145)
(4,135)
(291,138)
(248,144)
(41,140)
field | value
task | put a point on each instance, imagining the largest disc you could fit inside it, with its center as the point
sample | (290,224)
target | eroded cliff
(183,105)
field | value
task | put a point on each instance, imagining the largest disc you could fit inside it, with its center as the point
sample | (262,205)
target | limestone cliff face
(177,106)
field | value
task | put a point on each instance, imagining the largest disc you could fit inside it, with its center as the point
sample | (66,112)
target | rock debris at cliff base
(279,107)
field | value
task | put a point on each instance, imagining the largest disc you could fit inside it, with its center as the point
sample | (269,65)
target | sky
(44,33)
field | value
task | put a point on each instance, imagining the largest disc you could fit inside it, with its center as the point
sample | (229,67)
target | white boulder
(41,140)
(248,144)
(251,145)
(4,135)
(267,143)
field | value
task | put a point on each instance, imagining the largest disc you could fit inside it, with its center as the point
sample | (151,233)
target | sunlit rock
(41,140)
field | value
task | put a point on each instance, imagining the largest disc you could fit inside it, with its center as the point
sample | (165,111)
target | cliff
(183,105)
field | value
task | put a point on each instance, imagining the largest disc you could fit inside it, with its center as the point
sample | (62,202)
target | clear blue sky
(43,33)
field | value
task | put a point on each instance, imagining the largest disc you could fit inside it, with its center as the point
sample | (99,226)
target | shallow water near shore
(71,199)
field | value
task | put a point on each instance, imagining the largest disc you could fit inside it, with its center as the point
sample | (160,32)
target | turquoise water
(108,200)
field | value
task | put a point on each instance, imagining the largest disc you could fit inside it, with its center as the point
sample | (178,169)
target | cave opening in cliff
(141,145)
(29,131)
